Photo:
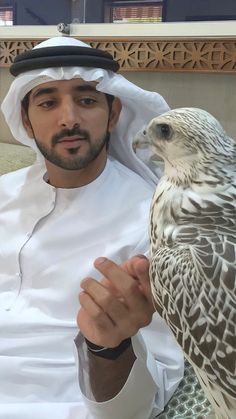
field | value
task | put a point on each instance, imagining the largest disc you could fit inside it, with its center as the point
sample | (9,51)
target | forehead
(63,86)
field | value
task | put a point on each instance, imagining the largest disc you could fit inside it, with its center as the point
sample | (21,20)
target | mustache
(70,133)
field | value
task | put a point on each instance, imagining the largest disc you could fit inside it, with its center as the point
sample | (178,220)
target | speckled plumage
(193,246)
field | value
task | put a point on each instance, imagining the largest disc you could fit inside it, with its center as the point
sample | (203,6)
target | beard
(74,161)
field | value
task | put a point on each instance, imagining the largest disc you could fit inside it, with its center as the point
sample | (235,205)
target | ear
(26,123)
(114,114)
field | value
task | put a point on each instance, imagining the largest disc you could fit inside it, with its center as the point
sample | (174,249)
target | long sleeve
(153,379)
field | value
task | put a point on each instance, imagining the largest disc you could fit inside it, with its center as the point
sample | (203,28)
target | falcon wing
(194,286)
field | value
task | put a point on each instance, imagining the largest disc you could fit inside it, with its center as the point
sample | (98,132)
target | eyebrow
(86,88)
(49,90)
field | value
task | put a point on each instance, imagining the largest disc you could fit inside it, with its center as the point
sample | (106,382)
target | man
(72,224)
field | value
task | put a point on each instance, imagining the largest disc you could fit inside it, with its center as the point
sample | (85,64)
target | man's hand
(119,305)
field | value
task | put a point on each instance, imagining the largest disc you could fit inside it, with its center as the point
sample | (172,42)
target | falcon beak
(140,140)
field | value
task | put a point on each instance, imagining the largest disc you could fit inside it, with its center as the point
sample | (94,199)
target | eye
(87,101)
(46,104)
(164,131)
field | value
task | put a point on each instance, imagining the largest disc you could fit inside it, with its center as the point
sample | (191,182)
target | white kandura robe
(49,239)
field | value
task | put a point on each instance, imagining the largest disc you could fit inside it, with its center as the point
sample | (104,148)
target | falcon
(193,245)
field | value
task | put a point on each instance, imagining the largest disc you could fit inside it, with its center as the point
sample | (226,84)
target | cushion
(189,400)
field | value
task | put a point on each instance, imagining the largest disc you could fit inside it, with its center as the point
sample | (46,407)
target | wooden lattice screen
(161,55)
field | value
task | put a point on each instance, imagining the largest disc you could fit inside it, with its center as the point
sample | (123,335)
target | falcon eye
(164,131)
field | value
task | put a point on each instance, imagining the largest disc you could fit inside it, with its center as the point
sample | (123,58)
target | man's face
(70,122)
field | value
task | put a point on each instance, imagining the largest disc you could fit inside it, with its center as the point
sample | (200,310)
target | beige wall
(213,92)
(5,80)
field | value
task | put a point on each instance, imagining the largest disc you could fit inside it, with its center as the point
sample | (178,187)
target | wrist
(108,353)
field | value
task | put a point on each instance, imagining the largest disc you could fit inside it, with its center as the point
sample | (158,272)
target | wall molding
(182,55)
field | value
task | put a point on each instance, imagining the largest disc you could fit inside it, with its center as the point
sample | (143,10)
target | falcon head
(188,140)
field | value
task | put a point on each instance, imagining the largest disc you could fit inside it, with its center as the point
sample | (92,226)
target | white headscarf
(138,106)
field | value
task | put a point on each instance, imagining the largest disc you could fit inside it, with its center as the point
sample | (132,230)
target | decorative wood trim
(156,55)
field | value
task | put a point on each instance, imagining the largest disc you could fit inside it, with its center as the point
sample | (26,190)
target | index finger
(128,277)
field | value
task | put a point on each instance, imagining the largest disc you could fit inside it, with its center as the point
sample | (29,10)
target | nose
(68,114)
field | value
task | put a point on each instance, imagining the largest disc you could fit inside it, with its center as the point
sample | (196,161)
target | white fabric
(49,240)
(138,106)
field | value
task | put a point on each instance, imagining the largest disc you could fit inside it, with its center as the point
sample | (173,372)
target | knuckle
(87,284)
(103,264)
(83,298)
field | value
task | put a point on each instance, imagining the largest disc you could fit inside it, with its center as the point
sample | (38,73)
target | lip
(71,142)
(71,139)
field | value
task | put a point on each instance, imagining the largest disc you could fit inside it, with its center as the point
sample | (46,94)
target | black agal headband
(63,56)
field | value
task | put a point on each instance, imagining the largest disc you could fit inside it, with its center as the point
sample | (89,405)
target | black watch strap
(108,353)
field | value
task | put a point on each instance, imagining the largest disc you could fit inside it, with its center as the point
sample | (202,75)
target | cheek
(41,129)
(98,126)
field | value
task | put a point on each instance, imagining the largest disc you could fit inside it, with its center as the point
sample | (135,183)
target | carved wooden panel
(9,49)
(169,55)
